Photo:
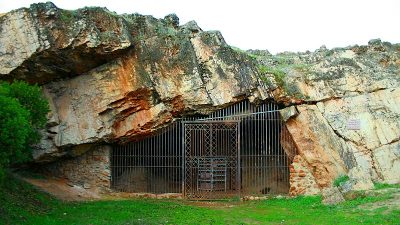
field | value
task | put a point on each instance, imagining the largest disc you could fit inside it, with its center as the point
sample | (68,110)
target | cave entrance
(243,149)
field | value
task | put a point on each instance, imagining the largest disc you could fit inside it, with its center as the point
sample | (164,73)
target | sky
(275,25)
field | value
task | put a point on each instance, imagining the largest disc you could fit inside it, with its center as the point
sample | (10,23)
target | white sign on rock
(354,124)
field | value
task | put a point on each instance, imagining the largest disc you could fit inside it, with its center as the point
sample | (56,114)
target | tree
(23,111)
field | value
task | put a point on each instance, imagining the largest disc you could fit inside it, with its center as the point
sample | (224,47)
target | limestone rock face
(318,145)
(112,78)
(331,149)
(379,117)
(327,74)
(387,162)
(332,88)
(44,43)
(116,78)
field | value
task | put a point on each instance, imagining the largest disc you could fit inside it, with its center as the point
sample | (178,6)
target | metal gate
(211,162)
(193,154)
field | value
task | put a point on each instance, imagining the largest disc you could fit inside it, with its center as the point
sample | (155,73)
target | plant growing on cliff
(23,111)
(67,16)
(340,180)
(278,74)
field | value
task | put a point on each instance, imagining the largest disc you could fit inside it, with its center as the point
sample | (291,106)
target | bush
(341,179)
(23,111)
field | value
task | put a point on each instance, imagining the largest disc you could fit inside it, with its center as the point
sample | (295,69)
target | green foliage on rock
(278,74)
(67,16)
(340,180)
(23,112)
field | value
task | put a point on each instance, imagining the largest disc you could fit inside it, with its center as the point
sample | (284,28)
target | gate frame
(238,166)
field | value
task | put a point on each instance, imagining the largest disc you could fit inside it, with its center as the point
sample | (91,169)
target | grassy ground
(22,204)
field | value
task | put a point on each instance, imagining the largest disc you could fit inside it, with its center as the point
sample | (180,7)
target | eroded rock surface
(115,78)
(44,43)
(332,88)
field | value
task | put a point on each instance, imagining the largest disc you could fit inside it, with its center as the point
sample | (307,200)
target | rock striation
(117,78)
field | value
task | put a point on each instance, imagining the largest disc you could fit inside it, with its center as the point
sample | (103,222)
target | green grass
(19,202)
(22,204)
(378,186)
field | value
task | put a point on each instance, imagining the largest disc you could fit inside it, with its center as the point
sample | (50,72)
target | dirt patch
(61,189)
(214,204)
(125,195)
(391,204)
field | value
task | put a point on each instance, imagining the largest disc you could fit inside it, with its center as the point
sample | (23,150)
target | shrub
(339,180)
(23,112)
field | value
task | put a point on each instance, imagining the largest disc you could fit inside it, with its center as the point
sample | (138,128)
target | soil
(61,189)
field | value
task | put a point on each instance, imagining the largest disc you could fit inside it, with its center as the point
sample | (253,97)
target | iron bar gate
(158,164)
(152,165)
(211,159)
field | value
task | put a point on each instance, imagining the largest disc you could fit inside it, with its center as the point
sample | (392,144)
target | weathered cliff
(114,78)
(331,88)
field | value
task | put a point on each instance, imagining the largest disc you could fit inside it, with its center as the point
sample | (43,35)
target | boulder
(332,196)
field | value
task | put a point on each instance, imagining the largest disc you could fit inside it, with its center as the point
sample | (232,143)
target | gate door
(211,154)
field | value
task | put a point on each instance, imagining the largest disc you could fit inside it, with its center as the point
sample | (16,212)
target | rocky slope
(115,78)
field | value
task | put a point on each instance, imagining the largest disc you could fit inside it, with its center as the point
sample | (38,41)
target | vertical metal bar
(260,149)
(171,159)
(125,163)
(153,161)
(253,159)
(165,149)
(117,167)
(258,146)
(184,158)
(265,155)
(163,164)
(135,148)
(276,157)
(112,162)
(178,159)
(280,177)
(128,168)
(142,157)
(270,146)
(121,157)
(238,158)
